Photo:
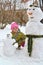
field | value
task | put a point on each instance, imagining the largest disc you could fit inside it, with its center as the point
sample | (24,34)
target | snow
(23,5)
(22,29)
(38,48)
(8,48)
(16,59)
(21,57)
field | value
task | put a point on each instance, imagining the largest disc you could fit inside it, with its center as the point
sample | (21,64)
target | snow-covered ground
(20,57)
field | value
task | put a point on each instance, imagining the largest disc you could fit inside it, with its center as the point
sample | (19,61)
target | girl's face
(15,30)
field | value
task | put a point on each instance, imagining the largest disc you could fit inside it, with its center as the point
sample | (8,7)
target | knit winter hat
(14,25)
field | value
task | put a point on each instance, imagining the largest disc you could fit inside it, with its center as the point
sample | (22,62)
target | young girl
(17,35)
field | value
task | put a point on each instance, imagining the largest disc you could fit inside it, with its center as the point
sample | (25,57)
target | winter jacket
(19,37)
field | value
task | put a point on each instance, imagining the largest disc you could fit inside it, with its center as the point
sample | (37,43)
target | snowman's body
(8,48)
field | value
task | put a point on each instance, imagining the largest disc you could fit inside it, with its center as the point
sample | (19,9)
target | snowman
(8,48)
(35,27)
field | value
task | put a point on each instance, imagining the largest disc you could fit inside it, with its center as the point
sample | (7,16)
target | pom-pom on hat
(14,25)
